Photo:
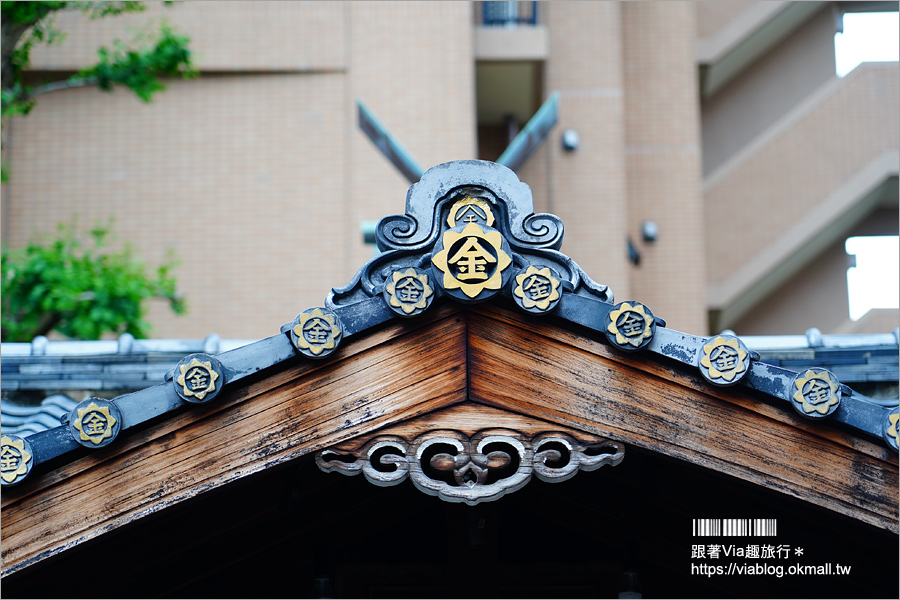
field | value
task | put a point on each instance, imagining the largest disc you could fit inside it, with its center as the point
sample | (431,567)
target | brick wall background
(257,176)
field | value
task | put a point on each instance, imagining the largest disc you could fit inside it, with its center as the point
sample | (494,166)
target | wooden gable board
(403,377)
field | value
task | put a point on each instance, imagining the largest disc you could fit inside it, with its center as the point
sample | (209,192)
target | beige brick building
(721,122)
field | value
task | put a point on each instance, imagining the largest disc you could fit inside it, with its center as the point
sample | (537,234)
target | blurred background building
(717,168)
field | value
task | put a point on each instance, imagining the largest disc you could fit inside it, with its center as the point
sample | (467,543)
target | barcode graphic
(735,527)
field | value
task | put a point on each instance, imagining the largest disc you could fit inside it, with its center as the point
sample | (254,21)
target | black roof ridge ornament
(469,234)
(474,187)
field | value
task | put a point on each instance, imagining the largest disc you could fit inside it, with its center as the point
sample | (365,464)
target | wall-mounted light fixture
(650,231)
(570,140)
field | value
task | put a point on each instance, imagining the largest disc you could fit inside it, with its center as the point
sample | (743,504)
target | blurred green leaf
(140,66)
(81,290)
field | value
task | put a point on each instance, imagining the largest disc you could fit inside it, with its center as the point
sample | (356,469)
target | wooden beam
(468,418)
(555,375)
(400,372)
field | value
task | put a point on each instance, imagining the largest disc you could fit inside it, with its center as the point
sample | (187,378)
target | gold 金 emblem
(472,260)
(892,436)
(197,378)
(816,392)
(94,423)
(14,459)
(537,288)
(470,210)
(630,324)
(409,291)
(724,359)
(316,332)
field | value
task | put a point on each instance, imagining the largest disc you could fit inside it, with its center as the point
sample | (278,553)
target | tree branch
(11,34)
(47,323)
(54,86)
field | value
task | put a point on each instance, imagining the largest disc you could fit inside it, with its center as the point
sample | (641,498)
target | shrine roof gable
(470,316)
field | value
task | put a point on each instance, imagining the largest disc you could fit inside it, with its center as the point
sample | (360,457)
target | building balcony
(820,173)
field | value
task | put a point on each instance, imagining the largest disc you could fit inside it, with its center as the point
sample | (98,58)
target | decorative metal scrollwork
(484,467)
(471,225)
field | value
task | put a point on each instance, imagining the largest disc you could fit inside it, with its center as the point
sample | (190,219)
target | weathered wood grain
(468,418)
(539,371)
(528,373)
(686,376)
(294,412)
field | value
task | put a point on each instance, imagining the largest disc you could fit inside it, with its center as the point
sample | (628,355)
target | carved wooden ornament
(457,467)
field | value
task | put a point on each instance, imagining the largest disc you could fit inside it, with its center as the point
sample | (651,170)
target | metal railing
(508,14)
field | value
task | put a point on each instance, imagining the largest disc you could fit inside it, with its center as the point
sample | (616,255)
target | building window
(866,37)
(509,14)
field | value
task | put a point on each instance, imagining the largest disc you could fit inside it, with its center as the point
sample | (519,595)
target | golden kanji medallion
(470,210)
(536,289)
(724,360)
(890,428)
(471,261)
(95,422)
(408,292)
(630,326)
(817,393)
(198,380)
(15,459)
(317,332)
